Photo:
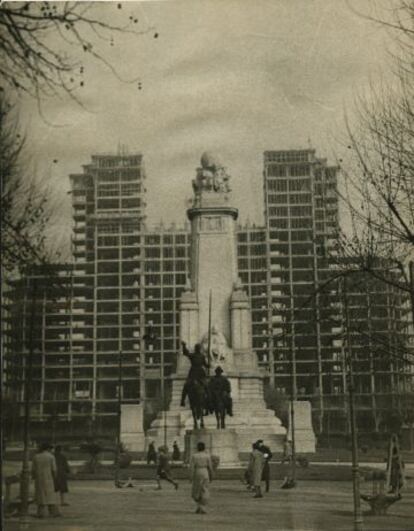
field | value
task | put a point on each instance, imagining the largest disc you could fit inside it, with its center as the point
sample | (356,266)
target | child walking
(163,468)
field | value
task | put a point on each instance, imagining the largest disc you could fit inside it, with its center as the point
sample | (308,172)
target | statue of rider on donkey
(206,394)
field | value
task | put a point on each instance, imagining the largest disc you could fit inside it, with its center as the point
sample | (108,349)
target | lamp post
(293,390)
(25,476)
(150,338)
(118,439)
(354,442)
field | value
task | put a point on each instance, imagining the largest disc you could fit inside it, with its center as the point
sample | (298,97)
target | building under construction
(108,323)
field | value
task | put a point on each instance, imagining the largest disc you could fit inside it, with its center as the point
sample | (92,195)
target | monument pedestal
(251,419)
(220,443)
(304,435)
(132,427)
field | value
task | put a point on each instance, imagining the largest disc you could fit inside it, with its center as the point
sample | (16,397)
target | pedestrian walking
(267,454)
(176,455)
(256,470)
(201,475)
(248,474)
(44,473)
(163,468)
(62,472)
(151,454)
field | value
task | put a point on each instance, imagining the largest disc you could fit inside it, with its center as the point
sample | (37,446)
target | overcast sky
(233,77)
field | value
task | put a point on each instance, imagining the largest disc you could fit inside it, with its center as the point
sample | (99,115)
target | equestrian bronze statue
(195,386)
(220,397)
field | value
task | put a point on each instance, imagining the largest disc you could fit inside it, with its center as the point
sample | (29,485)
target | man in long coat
(44,473)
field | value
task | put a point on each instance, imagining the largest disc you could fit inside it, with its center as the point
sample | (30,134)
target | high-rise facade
(93,317)
(307,296)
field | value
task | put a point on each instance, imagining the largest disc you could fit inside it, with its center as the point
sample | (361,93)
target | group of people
(152,455)
(201,471)
(50,472)
(258,469)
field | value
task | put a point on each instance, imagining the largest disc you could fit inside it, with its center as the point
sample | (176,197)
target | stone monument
(132,427)
(213,268)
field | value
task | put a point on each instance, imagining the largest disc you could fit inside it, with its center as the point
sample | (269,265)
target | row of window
(289,198)
(296,185)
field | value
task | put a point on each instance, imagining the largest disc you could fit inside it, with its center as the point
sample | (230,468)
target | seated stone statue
(220,352)
(197,370)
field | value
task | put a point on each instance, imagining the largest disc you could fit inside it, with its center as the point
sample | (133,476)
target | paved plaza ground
(312,506)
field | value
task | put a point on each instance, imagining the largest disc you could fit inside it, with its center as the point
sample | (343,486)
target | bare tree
(30,62)
(378,179)
(24,209)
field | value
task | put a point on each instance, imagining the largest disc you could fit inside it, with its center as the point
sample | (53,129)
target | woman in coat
(201,473)
(44,473)
(256,469)
(62,471)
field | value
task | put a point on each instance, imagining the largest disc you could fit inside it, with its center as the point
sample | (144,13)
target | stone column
(241,325)
(241,332)
(132,427)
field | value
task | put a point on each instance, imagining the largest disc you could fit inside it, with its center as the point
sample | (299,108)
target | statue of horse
(198,402)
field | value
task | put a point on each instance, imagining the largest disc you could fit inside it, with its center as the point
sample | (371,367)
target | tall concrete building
(306,312)
(118,302)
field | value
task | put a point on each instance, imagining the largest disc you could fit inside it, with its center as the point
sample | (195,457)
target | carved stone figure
(211,177)
(221,354)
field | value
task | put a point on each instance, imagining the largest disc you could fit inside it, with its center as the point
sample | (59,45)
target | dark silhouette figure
(176,454)
(220,397)
(62,472)
(198,402)
(151,454)
(267,454)
(197,370)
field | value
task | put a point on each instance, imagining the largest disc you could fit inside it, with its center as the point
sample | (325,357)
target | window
(279,223)
(130,189)
(108,204)
(152,252)
(131,203)
(301,223)
(300,211)
(278,211)
(276,171)
(257,237)
(130,240)
(152,240)
(108,190)
(298,185)
(108,241)
(278,198)
(180,252)
(299,170)
(258,263)
(108,228)
(279,186)
(300,198)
